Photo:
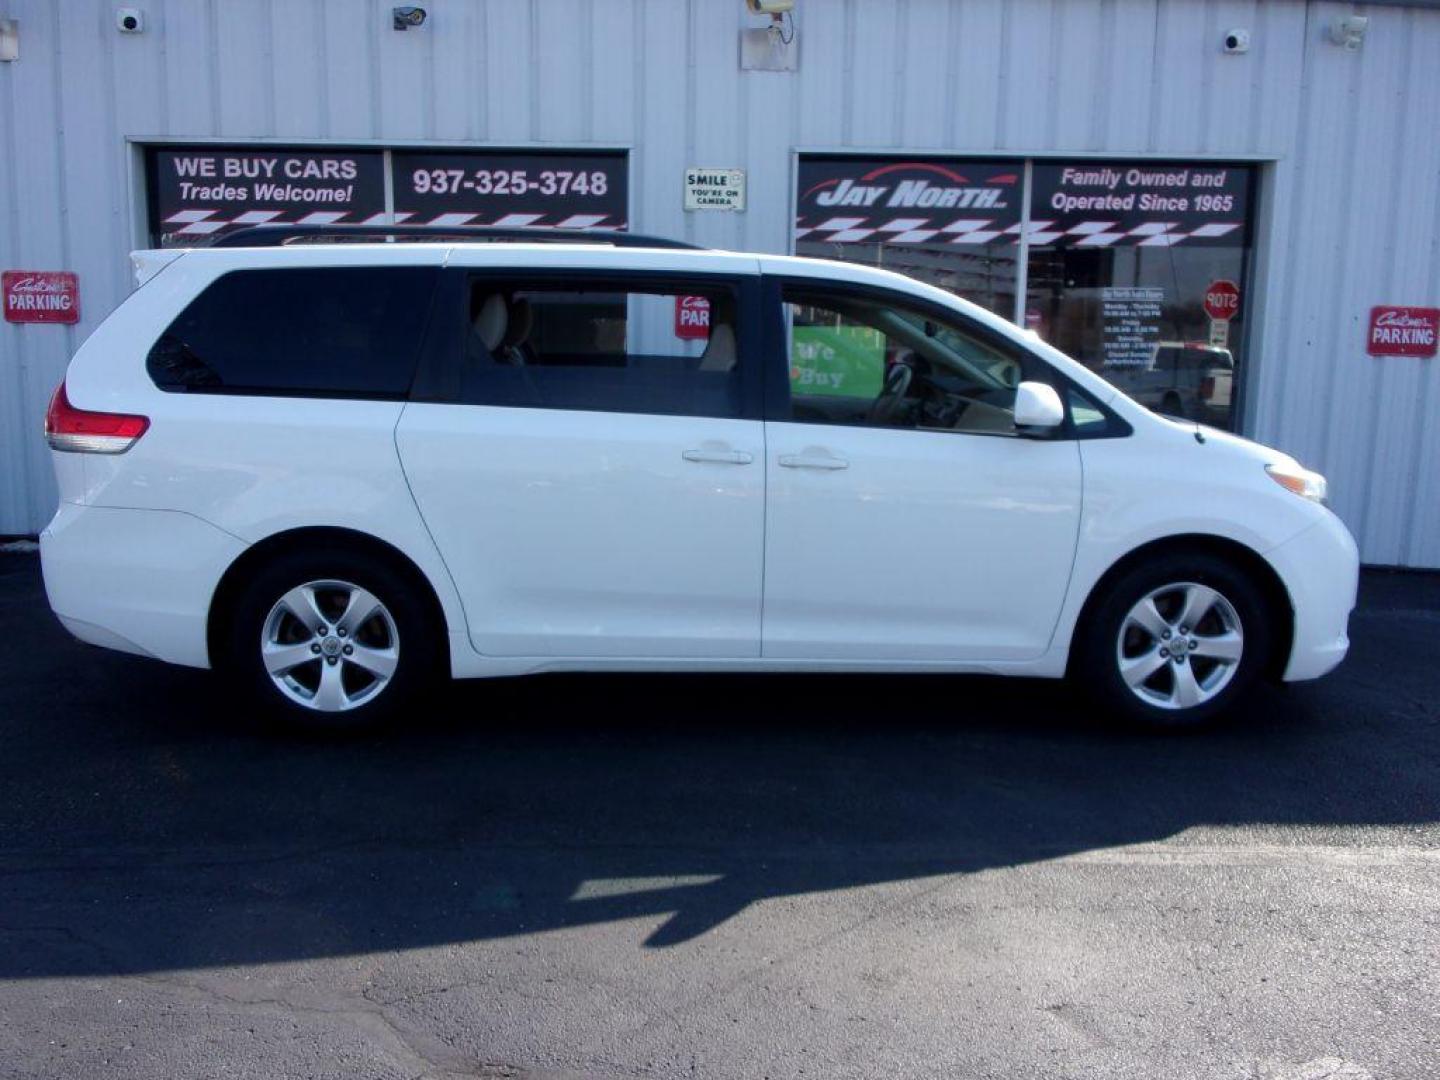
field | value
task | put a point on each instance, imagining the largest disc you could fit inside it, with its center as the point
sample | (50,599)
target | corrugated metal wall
(1352,201)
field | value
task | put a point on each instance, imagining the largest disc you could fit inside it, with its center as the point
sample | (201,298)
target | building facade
(1231,208)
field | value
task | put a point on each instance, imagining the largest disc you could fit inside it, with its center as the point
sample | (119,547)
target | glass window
(1128,264)
(1087,417)
(603,346)
(949,222)
(342,332)
(1137,270)
(859,359)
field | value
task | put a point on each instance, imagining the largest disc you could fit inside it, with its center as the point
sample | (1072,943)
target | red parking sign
(1222,300)
(1403,331)
(40,296)
(692,317)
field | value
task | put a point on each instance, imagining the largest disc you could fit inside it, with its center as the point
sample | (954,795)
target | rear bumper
(1321,570)
(136,580)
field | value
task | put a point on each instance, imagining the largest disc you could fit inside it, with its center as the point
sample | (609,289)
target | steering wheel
(892,395)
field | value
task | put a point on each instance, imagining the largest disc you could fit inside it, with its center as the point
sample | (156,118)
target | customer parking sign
(40,296)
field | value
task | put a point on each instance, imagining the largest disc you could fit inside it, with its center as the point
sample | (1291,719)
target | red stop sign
(1222,300)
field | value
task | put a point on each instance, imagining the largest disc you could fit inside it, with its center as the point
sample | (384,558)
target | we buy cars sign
(201,191)
(1403,331)
(40,296)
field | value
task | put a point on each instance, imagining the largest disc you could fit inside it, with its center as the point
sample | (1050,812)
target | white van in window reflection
(1191,380)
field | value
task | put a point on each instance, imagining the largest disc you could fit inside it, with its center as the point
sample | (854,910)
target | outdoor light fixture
(406,17)
(768,48)
(1349,32)
(779,12)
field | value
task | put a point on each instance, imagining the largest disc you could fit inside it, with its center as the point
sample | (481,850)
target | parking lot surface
(737,876)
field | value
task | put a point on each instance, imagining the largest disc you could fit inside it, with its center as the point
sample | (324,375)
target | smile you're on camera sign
(714,189)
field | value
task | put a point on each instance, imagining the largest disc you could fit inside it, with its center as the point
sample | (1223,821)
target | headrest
(522,321)
(719,354)
(491,321)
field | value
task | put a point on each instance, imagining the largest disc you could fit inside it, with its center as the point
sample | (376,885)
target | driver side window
(861,359)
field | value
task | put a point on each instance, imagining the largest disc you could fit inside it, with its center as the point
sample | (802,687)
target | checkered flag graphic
(208,222)
(919,230)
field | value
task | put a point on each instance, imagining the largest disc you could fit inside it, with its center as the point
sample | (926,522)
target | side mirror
(1037,405)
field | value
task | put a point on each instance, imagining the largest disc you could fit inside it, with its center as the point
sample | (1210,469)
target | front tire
(331,640)
(1174,642)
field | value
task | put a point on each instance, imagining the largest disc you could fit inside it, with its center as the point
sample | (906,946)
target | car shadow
(150,824)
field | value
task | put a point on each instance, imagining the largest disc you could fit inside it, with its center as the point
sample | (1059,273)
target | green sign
(843,361)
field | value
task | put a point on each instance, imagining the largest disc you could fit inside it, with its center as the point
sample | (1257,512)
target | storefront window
(949,223)
(199,192)
(1136,269)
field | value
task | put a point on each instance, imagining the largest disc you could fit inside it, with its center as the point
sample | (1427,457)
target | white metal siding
(1352,200)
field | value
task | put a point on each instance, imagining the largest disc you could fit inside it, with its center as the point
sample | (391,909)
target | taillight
(83,432)
(1207,387)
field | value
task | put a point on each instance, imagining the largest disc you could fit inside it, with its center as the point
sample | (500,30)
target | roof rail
(283,235)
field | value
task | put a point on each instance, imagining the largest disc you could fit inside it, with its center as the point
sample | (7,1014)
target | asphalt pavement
(780,876)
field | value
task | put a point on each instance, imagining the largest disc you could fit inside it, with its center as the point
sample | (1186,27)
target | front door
(592,465)
(908,519)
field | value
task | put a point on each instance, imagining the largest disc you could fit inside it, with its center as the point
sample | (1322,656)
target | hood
(1267,455)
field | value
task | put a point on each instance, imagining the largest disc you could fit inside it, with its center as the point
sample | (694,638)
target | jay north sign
(911,200)
(848,200)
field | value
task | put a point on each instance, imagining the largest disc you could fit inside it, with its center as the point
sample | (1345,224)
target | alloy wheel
(1180,645)
(330,645)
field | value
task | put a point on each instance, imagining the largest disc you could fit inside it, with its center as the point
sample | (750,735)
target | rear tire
(1131,655)
(331,640)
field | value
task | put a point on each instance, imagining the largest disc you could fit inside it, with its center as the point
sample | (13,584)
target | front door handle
(719,457)
(812,461)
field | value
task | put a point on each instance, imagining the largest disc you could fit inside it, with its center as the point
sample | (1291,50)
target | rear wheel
(331,640)
(1174,642)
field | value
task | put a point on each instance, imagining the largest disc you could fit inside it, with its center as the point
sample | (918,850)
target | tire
(1172,406)
(1219,659)
(368,666)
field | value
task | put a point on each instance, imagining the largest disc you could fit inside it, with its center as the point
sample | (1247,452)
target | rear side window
(324,332)
(604,346)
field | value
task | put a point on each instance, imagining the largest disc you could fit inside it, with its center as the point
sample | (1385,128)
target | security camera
(770,7)
(129,20)
(1237,41)
(406,17)
(1349,31)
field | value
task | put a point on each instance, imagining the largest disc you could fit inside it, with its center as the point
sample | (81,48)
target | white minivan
(338,471)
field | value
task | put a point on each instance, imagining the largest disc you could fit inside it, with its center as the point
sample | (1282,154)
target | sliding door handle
(719,457)
(812,461)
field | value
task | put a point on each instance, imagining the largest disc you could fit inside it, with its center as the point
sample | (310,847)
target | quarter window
(602,346)
(331,332)
(864,360)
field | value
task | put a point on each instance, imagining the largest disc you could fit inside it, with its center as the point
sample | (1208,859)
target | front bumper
(136,580)
(1321,571)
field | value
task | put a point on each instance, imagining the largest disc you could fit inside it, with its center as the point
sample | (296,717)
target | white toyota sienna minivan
(338,471)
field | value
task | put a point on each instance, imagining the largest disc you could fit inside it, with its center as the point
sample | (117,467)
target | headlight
(1303,482)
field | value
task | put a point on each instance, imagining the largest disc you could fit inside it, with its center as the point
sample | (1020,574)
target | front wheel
(331,640)
(1174,642)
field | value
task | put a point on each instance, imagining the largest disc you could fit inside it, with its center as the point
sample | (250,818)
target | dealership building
(1230,208)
